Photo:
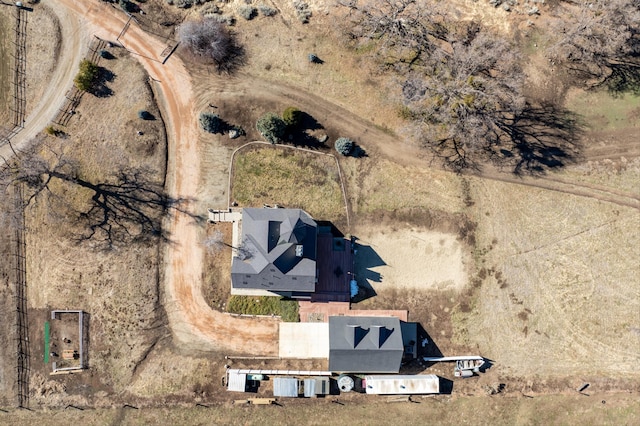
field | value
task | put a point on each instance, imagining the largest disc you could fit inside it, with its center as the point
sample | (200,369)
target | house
(285,252)
(278,252)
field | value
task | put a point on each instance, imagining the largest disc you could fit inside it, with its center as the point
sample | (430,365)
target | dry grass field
(290,178)
(605,409)
(7,23)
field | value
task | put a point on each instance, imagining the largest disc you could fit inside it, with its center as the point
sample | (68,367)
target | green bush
(211,122)
(344,146)
(292,117)
(264,305)
(271,127)
(86,76)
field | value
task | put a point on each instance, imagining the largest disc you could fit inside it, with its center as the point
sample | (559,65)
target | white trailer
(402,384)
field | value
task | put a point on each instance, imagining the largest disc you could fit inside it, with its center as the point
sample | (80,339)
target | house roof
(282,246)
(365,344)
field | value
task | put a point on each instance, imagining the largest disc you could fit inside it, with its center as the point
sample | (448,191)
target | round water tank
(18,4)
(345,383)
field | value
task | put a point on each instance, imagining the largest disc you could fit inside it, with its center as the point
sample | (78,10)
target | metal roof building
(365,344)
(282,245)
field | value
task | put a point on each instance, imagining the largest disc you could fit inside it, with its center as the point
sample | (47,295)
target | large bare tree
(401,31)
(461,101)
(126,207)
(599,40)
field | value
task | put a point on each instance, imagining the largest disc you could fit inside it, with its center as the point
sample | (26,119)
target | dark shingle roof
(365,344)
(282,243)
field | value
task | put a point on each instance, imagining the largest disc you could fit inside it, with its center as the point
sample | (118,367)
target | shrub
(209,9)
(184,4)
(302,11)
(292,117)
(144,115)
(127,6)
(87,75)
(267,10)
(271,127)
(248,12)
(344,146)
(211,122)
(50,130)
(208,40)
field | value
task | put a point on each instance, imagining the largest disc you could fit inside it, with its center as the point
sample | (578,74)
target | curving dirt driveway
(194,324)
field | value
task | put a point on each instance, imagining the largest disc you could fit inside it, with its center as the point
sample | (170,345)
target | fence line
(22,323)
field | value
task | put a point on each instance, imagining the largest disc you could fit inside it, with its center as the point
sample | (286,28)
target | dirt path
(381,143)
(72,50)
(194,324)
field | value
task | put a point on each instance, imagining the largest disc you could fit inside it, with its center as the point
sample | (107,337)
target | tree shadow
(542,138)
(234,60)
(128,207)
(624,79)
(299,135)
(99,88)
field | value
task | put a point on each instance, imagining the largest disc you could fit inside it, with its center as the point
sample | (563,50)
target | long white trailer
(401,384)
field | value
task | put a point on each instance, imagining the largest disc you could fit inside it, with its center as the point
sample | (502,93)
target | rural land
(297,212)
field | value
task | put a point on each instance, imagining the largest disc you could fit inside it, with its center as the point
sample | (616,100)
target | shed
(285,387)
(236,381)
(313,387)
(402,384)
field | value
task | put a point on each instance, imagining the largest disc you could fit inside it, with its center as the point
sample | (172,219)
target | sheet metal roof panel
(236,382)
(285,387)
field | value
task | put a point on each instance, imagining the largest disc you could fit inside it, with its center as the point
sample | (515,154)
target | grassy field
(603,111)
(601,409)
(254,305)
(293,179)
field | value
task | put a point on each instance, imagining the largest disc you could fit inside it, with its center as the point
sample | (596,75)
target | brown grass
(119,289)
(293,179)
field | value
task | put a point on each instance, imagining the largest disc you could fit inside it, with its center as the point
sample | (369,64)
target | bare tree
(403,30)
(127,207)
(599,40)
(461,101)
(209,41)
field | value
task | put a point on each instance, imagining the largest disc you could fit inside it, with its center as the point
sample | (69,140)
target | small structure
(402,384)
(288,387)
(316,386)
(68,334)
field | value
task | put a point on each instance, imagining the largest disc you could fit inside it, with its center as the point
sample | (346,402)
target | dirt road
(75,43)
(194,324)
